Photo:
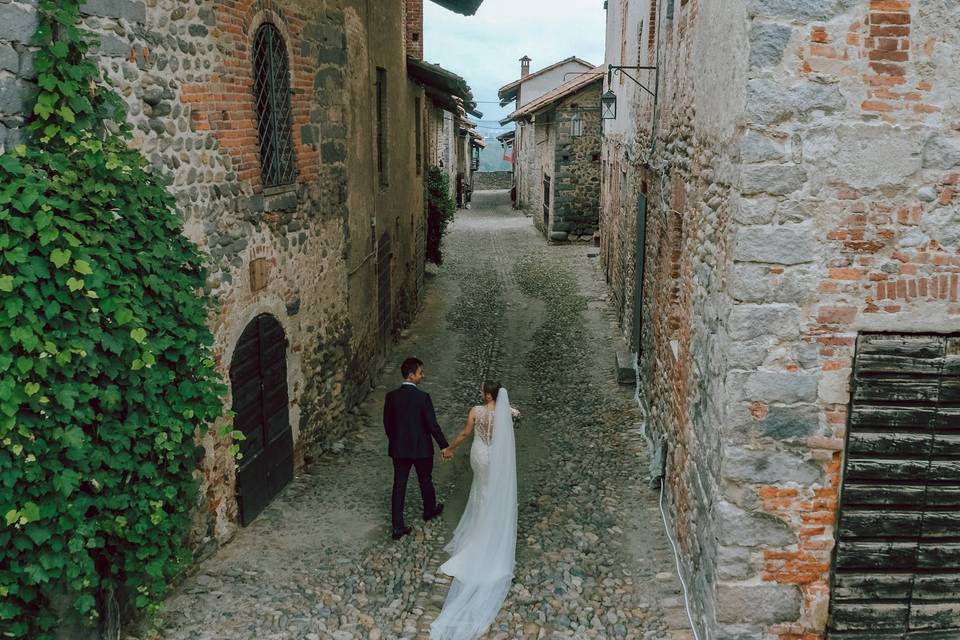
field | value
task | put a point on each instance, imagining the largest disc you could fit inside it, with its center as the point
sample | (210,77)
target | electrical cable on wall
(663,515)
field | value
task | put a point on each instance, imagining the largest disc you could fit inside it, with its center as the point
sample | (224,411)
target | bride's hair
(492,387)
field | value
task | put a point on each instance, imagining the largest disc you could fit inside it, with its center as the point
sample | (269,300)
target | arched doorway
(258,377)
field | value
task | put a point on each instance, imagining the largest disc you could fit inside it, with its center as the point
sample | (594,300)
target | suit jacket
(410,421)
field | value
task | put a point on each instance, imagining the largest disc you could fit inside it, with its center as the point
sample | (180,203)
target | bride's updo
(492,387)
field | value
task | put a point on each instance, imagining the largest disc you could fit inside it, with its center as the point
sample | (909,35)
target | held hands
(447,454)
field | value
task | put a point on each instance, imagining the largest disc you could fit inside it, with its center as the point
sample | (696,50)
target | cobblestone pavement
(592,557)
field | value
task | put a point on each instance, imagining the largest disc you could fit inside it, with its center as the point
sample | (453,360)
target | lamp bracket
(615,68)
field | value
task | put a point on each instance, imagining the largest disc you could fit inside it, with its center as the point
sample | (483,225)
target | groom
(410,421)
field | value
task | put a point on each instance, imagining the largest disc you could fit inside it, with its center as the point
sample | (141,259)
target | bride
(483,548)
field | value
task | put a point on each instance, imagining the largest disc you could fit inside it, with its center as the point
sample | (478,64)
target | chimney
(524,67)
(414,28)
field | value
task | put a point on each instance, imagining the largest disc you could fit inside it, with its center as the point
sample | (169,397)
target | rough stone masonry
(802,191)
(184,71)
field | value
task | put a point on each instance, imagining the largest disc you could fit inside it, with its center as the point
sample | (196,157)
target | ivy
(440,211)
(106,372)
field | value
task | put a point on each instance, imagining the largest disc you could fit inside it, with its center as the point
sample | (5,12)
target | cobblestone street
(592,557)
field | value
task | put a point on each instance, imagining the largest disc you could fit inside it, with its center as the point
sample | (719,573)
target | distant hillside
(491,158)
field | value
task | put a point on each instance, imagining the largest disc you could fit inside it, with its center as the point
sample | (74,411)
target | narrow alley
(592,557)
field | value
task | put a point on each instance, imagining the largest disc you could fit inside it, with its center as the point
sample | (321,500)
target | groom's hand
(447,454)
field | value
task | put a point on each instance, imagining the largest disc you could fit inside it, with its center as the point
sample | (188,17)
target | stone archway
(258,379)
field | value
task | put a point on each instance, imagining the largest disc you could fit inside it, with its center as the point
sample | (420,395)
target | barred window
(271,91)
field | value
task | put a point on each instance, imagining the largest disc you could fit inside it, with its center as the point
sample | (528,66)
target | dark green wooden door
(384,291)
(258,378)
(546,205)
(897,559)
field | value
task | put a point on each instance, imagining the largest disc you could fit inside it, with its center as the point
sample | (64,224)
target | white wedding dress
(483,548)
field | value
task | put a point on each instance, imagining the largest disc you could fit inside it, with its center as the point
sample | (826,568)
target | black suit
(410,422)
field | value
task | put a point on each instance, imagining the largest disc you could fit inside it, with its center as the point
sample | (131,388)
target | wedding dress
(483,548)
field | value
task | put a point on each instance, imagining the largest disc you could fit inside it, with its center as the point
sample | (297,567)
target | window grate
(271,91)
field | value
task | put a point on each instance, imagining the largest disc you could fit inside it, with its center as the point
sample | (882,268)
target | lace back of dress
(484,424)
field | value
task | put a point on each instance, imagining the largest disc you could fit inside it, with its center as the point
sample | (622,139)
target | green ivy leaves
(106,375)
(440,211)
(60,257)
(30,512)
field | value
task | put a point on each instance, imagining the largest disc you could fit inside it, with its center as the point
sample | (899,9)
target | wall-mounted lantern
(608,101)
(608,105)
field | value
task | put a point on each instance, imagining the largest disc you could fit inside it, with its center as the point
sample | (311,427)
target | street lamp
(608,105)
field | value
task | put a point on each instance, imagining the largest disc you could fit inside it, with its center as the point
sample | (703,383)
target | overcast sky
(486,48)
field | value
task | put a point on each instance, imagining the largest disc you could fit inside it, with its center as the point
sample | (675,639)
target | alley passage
(592,557)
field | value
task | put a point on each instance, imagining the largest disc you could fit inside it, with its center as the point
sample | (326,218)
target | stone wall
(386,208)
(800,184)
(576,209)
(540,163)
(184,72)
(845,222)
(528,174)
(625,142)
(683,331)
(486,180)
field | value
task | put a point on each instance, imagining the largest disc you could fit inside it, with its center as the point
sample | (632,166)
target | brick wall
(413,19)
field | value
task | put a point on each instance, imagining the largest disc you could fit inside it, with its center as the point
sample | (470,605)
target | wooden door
(258,378)
(384,295)
(546,204)
(897,559)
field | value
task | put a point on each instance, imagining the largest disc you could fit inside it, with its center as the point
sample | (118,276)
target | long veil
(484,544)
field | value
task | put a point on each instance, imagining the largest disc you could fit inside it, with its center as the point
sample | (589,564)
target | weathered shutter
(897,559)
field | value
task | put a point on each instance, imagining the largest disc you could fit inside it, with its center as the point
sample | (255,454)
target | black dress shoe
(435,513)
(399,533)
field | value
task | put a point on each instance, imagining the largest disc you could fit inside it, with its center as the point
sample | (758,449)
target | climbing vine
(440,210)
(106,374)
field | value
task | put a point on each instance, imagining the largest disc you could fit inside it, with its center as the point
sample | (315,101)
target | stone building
(560,160)
(786,213)
(289,132)
(450,138)
(530,86)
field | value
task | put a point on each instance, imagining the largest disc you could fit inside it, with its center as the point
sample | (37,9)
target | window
(381,125)
(576,125)
(271,91)
(418,126)
(475,159)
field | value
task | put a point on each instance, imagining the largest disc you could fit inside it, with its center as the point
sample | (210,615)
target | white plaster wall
(627,26)
(534,87)
(719,77)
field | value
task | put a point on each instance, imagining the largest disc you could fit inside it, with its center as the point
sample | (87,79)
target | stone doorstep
(624,369)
